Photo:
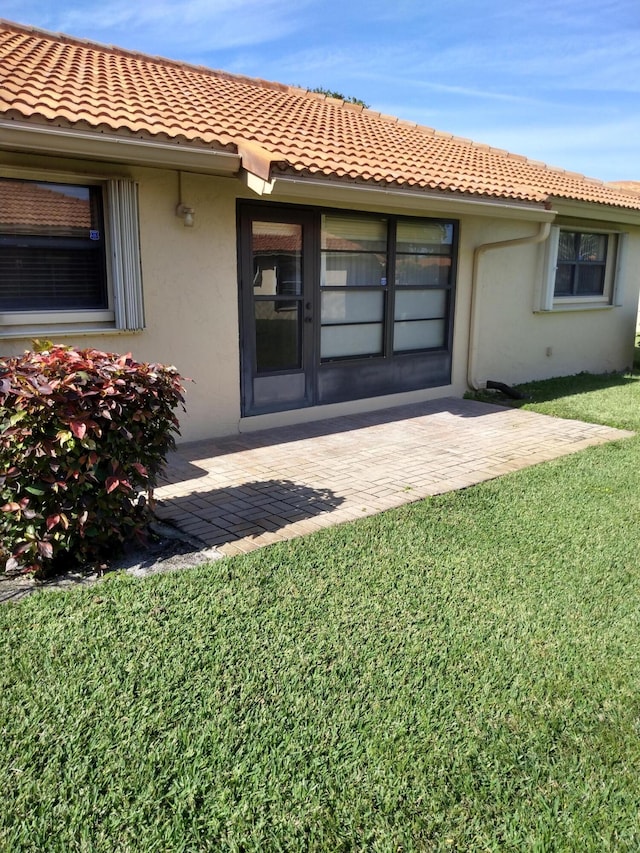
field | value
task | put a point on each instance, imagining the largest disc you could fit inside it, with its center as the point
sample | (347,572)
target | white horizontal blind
(125,254)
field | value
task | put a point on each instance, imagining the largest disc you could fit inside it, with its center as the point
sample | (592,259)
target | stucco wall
(517,341)
(191,303)
(191,300)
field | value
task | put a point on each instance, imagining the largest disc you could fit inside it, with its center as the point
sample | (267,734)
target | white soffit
(34,138)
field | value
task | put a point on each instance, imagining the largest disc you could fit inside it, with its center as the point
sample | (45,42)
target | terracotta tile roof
(281,129)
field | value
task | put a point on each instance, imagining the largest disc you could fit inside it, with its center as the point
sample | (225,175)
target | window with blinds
(52,247)
(57,262)
(386,285)
(583,269)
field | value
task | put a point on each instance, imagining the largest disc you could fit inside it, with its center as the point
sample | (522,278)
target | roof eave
(72,142)
(53,140)
(287,187)
(596,211)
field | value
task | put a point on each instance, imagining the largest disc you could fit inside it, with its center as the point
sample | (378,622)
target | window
(583,268)
(385,285)
(69,256)
(582,262)
(422,280)
(353,279)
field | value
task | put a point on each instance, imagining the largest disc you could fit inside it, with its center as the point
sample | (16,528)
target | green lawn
(460,674)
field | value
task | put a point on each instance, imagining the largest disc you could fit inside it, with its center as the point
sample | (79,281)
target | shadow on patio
(255,510)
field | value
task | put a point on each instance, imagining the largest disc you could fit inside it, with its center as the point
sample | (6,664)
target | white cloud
(176,29)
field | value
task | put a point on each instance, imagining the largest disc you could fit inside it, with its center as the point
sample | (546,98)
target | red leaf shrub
(82,434)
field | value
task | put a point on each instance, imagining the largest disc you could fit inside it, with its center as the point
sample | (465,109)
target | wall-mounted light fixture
(185,212)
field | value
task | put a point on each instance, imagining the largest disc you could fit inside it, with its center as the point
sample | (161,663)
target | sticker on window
(94,235)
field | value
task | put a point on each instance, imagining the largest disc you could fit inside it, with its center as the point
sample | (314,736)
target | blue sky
(555,80)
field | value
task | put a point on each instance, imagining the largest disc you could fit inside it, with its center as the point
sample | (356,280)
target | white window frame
(125,307)
(612,293)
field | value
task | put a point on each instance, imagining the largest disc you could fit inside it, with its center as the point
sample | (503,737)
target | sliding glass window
(353,278)
(422,278)
(385,285)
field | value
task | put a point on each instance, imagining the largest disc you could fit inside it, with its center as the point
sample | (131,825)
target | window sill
(573,305)
(57,318)
(28,334)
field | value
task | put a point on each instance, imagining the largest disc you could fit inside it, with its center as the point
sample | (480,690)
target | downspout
(543,232)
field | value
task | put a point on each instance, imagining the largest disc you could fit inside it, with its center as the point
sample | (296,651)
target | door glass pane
(354,234)
(418,334)
(424,237)
(341,341)
(359,307)
(420,304)
(277,258)
(278,337)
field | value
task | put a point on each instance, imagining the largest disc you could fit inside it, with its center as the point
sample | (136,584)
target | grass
(459,674)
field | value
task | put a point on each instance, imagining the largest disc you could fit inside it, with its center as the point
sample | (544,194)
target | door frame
(253,384)
(342,379)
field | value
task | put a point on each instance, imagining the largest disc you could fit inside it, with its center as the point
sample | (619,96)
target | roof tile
(51,77)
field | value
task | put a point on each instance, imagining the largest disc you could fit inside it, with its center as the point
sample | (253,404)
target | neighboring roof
(275,128)
(26,204)
(629,186)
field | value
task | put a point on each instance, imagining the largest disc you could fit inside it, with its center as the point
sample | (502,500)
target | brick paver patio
(249,490)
